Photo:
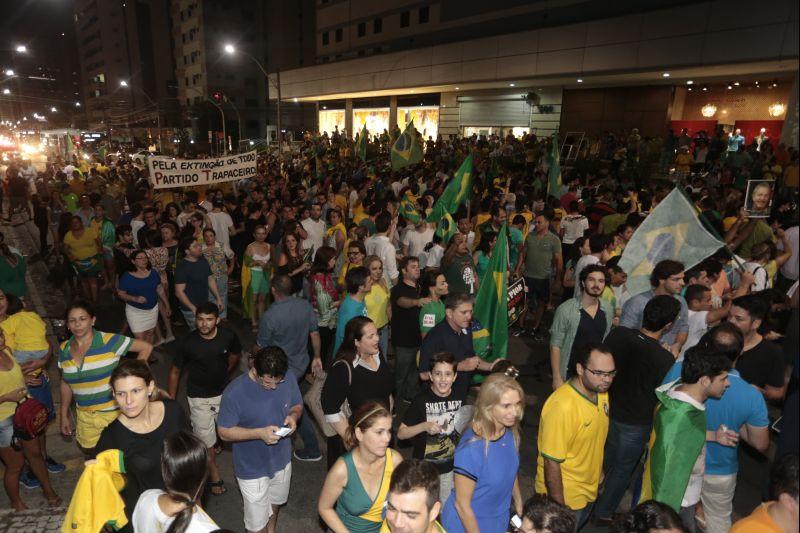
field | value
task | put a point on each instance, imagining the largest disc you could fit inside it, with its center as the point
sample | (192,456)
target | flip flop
(219,485)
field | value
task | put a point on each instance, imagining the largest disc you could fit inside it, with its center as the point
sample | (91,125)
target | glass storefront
(330,120)
(426,119)
(486,131)
(376,119)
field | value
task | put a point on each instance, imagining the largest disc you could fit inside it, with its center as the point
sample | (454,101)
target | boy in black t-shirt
(430,420)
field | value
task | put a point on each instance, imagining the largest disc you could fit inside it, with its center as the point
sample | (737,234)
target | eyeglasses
(602,374)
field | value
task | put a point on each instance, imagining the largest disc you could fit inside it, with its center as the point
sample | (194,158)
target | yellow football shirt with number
(572,432)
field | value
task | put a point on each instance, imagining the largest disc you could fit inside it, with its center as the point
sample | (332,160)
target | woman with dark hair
(145,421)
(336,235)
(256,275)
(176,509)
(325,298)
(484,252)
(377,300)
(141,290)
(358,375)
(83,249)
(651,517)
(170,214)
(291,263)
(355,489)
(87,360)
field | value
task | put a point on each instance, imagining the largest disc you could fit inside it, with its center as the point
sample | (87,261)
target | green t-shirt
(71,202)
(430,314)
(539,252)
(761,233)
(460,274)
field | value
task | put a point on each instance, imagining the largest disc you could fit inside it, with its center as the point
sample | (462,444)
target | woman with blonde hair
(377,300)
(487,461)
(355,489)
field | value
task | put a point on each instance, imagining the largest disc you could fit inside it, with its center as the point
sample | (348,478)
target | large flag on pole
(554,174)
(406,150)
(671,231)
(491,304)
(361,144)
(456,192)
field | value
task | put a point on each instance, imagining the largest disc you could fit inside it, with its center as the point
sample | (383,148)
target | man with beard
(573,430)
(579,321)
(208,354)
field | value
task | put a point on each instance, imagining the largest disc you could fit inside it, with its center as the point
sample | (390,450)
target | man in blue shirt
(289,324)
(741,409)
(735,140)
(666,278)
(258,413)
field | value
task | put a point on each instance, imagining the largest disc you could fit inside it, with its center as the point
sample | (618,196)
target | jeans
(405,372)
(384,340)
(717,498)
(305,428)
(188,316)
(222,288)
(582,516)
(624,448)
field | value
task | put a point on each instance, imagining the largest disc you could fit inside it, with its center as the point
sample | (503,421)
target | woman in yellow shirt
(377,300)
(12,390)
(84,250)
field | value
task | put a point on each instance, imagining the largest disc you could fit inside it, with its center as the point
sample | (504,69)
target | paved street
(300,513)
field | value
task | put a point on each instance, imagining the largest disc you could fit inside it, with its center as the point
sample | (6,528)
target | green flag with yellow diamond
(671,231)
(446,228)
(406,150)
(408,208)
(491,304)
(456,192)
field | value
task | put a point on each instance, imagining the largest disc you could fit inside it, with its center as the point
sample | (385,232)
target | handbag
(30,419)
(313,399)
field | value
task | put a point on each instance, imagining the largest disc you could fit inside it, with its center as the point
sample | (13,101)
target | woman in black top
(358,375)
(140,429)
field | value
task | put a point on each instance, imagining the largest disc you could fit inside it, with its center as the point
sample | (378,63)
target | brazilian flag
(491,303)
(361,144)
(456,192)
(408,208)
(554,174)
(446,228)
(406,150)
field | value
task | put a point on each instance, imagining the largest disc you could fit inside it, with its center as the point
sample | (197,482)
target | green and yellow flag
(406,150)
(408,208)
(671,231)
(446,228)
(678,437)
(554,174)
(456,192)
(361,144)
(491,304)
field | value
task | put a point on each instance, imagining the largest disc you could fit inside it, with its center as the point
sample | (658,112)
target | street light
(9,72)
(53,110)
(22,49)
(231,50)
(77,104)
(123,83)
(6,91)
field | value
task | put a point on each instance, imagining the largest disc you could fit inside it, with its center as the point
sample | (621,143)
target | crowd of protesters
(376,311)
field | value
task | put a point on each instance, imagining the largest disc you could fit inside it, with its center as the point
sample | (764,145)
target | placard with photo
(758,201)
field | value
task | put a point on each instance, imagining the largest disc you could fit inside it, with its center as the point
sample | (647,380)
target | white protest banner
(167,172)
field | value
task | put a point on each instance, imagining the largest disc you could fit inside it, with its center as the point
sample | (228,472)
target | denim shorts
(6,431)
(45,395)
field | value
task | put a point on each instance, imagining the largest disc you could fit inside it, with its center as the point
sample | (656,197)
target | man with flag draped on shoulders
(676,458)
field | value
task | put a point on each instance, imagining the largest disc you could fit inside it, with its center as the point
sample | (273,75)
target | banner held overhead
(168,172)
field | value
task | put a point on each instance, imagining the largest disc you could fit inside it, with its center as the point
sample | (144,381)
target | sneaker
(303,455)
(28,480)
(54,467)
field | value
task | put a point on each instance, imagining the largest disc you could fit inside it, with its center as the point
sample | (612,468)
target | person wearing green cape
(675,465)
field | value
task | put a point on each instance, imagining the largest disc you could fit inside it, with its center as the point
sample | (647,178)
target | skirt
(141,320)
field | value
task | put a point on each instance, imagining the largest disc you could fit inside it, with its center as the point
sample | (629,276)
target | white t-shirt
(316,233)
(790,267)
(416,240)
(149,518)
(573,226)
(761,281)
(698,326)
(220,222)
(434,259)
(136,225)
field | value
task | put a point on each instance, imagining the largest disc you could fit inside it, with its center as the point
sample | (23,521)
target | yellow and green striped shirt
(90,381)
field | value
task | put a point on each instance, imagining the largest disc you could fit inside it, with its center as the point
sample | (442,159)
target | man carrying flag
(407,149)
(456,193)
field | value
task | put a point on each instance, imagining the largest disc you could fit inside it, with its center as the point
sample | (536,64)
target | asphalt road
(299,515)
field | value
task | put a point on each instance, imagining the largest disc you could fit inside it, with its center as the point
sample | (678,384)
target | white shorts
(261,494)
(203,413)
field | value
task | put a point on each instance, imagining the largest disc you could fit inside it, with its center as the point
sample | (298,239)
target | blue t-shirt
(493,470)
(247,404)
(633,312)
(741,404)
(141,287)
(350,308)
(734,142)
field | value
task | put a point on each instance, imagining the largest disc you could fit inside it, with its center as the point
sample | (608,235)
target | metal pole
(280,130)
(224,134)
(238,119)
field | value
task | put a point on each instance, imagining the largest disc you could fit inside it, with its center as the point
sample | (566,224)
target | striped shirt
(90,380)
